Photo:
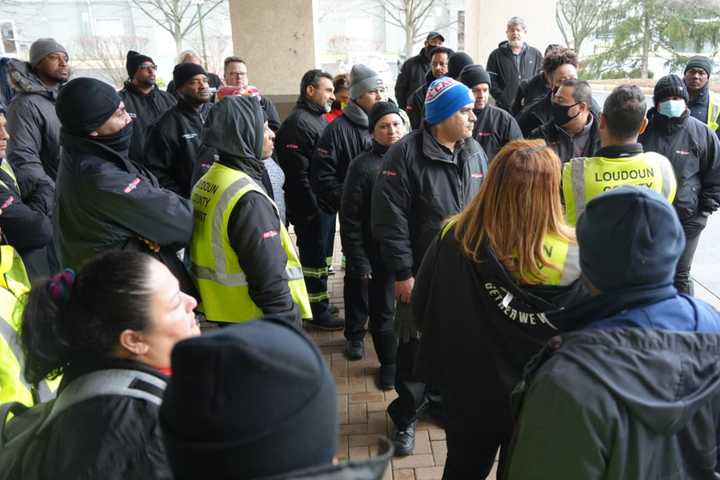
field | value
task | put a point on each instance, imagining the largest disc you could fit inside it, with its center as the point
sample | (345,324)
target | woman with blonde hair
(481,298)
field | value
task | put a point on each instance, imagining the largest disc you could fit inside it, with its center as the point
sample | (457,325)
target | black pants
(683,282)
(374,298)
(312,239)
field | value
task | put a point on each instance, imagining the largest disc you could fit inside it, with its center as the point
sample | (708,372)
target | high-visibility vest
(585,178)
(713,110)
(13,284)
(215,266)
(7,168)
(561,253)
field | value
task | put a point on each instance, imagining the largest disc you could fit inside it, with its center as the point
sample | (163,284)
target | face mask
(672,108)
(560,113)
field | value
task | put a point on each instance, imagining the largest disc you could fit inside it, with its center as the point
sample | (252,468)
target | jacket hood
(235,128)
(372,469)
(356,115)
(504,46)
(662,377)
(24,80)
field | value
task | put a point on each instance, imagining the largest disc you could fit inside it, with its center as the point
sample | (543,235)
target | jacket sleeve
(24,124)
(254,233)
(323,172)
(415,109)
(351,222)
(422,291)
(294,154)
(391,203)
(402,84)
(497,84)
(273,118)
(520,97)
(710,171)
(24,226)
(132,201)
(159,158)
(512,131)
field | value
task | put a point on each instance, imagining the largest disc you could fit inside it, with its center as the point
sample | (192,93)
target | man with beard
(174,146)
(33,125)
(512,62)
(143,100)
(439,65)
(494,126)
(704,104)
(413,71)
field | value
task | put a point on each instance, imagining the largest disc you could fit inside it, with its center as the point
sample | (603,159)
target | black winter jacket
(361,250)
(174,146)
(506,77)
(529,92)
(494,128)
(539,113)
(295,142)
(416,102)
(342,140)
(694,152)
(110,437)
(144,111)
(562,143)
(411,76)
(421,184)
(34,128)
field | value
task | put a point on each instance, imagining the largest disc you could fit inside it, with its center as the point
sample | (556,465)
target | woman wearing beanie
(104,200)
(481,294)
(108,329)
(364,263)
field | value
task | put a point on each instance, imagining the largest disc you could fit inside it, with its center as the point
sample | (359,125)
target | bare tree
(410,16)
(218,47)
(105,56)
(578,20)
(178,17)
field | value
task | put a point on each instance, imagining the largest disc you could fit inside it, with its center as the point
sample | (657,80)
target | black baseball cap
(434,35)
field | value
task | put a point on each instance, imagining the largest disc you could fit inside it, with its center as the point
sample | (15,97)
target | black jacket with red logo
(494,128)
(420,185)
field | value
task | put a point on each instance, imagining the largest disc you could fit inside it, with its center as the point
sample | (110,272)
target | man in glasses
(144,101)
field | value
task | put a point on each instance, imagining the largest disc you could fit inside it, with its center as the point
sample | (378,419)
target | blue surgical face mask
(672,108)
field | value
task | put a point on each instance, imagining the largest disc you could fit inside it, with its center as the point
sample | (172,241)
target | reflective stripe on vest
(7,168)
(222,284)
(585,178)
(713,111)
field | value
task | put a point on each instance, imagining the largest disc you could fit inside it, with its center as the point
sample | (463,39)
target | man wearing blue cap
(429,175)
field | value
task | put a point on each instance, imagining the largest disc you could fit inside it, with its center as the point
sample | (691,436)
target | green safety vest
(14,283)
(585,178)
(215,266)
(713,111)
(559,251)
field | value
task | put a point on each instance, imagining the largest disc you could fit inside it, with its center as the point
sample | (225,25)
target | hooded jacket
(562,143)
(34,128)
(506,76)
(421,184)
(295,141)
(174,146)
(261,256)
(530,91)
(694,152)
(342,140)
(144,110)
(494,128)
(537,114)
(635,394)
(411,76)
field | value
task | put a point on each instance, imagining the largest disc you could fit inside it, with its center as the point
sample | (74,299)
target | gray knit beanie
(363,80)
(42,47)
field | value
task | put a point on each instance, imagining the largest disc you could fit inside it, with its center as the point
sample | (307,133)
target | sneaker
(354,349)
(404,440)
(387,377)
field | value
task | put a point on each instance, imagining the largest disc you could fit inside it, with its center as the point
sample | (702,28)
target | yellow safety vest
(5,166)
(14,283)
(220,279)
(585,178)
(559,251)
(713,111)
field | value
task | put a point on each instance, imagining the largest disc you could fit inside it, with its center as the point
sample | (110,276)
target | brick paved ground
(361,405)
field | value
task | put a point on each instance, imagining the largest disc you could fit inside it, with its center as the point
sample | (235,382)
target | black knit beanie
(185,71)
(249,401)
(669,86)
(700,61)
(457,62)
(378,111)
(84,104)
(133,62)
(473,75)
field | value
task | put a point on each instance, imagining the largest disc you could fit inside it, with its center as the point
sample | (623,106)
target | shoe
(333,310)
(387,377)
(354,349)
(404,440)
(436,412)
(329,323)
(331,270)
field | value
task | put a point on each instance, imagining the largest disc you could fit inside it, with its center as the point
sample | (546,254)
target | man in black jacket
(694,152)
(704,104)
(143,100)
(296,140)
(413,71)
(439,66)
(174,145)
(494,126)
(429,175)
(530,91)
(512,62)
(573,130)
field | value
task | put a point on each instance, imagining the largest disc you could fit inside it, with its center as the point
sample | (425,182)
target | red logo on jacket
(390,173)
(476,175)
(269,234)
(132,185)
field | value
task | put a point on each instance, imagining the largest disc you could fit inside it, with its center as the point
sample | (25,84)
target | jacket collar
(24,80)
(434,151)
(76,143)
(666,125)
(311,107)
(130,87)
(356,115)
(620,151)
(379,149)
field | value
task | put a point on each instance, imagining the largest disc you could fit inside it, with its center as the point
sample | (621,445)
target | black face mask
(120,142)
(560,113)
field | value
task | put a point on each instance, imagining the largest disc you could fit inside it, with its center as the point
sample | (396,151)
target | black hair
(583,90)
(110,293)
(312,77)
(441,49)
(624,111)
(557,57)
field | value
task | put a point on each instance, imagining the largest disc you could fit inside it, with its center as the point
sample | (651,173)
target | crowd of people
(519,254)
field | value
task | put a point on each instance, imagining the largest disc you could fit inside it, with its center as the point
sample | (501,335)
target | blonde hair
(517,206)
